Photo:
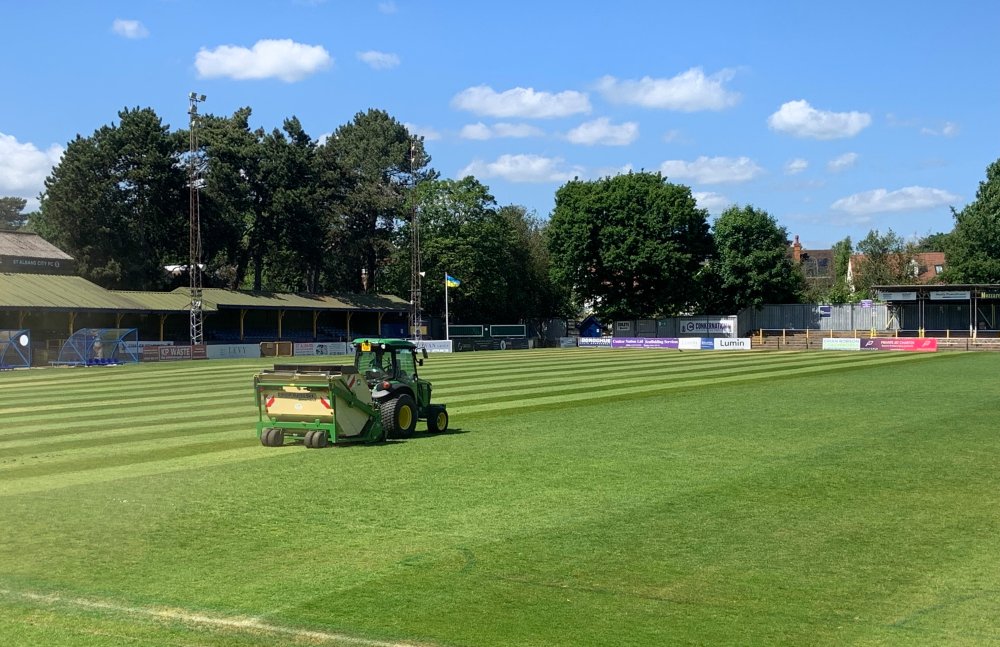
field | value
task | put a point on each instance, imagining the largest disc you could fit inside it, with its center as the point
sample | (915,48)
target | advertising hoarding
(912,344)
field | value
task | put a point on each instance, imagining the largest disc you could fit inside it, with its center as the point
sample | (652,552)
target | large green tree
(296,260)
(10,212)
(239,227)
(751,262)
(841,290)
(497,252)
(886,259)
(973,247)
(630,245)
(116,202)
(367,170)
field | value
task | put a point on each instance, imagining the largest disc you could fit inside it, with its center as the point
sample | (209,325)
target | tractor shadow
(394,442)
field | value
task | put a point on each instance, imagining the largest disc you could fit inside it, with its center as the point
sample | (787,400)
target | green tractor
(390,370)
(380,396)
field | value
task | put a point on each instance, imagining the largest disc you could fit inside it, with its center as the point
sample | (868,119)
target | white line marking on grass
(224,622)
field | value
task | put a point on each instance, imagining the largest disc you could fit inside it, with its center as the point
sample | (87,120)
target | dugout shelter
(943,310)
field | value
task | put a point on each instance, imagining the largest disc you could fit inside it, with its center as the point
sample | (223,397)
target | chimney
(797,250)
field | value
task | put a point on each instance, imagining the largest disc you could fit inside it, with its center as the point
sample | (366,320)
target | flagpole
(446,337)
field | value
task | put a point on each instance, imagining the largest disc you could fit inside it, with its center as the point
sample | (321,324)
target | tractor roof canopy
(386,342)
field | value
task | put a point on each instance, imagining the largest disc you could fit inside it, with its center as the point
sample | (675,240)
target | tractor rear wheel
(272,437)
(399,417)
(437,420)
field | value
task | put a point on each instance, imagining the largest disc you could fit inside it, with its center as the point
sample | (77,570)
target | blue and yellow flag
(451,281)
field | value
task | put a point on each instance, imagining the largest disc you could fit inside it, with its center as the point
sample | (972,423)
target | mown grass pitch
(586,497)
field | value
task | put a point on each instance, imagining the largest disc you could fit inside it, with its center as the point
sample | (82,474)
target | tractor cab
(389,366)
(381,360)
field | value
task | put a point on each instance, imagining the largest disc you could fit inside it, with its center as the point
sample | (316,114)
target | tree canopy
(886,260)
(368,167)
(116,203)
(751,266)
(10,212)
(497,252)
(630,245)
(973,247)
(282,211)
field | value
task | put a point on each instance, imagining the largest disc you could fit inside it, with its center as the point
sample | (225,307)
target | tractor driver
(382,362)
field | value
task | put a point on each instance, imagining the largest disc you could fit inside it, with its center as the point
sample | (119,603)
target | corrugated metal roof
(19,243)
(59,293)
(285,301)
(164,301)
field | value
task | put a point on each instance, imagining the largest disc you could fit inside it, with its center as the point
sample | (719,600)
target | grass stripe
(162,465)
(210,622)
(83,462)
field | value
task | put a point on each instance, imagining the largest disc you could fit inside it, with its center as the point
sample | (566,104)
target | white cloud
(712,170)
(429,134)
(478,131)
(800,119)
(521,102)
(796,166)
(672,136)
(689,91)
(129,28)
(378,60)
(911,198)
(387,7)
(714,203)
(602,131)
(522,168)
(23,168)
(842,162)
(949,129)
(481,131)
(281,59)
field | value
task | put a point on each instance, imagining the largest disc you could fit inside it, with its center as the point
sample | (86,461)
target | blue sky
(836,118)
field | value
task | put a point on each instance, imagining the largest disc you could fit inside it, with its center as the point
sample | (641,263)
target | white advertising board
(232,351)
(950,295)
(434,345)
(689,343)
(898,296)
(137,347)
(594,342)
(736,343)
(313,349)
(707,326)
(836,343)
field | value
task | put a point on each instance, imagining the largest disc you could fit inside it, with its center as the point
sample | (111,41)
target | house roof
(814,262)
(927,264)
(22,243)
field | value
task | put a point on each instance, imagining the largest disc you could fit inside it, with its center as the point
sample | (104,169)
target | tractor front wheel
(437,420)
(399,417)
